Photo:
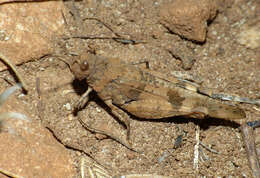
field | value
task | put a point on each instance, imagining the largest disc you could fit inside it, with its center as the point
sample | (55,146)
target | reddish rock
(27,29)
(28,149)
(188,18)
(32,151)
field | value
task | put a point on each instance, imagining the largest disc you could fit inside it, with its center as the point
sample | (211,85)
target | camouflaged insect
(148,94)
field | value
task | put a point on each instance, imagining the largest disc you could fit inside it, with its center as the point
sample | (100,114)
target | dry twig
(209,149)
(10,64)
(196,149)
(167,153)
(3,98)
(23,1)
(249,141)
(6,115)
(94,170)
(9,174)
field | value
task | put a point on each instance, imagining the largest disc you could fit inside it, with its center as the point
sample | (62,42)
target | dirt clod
(188,18)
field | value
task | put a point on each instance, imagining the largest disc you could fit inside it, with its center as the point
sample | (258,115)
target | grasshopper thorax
(86,65)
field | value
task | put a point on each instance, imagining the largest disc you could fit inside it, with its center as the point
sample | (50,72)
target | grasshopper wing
(154,102)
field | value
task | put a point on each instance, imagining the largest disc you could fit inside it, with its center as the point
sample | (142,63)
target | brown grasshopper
(147,94)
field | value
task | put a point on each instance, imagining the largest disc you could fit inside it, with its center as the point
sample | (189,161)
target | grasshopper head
(84,66)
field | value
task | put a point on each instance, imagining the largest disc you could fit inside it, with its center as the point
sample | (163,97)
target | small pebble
(130,155)
(67,106)
(21,95)
(98,110)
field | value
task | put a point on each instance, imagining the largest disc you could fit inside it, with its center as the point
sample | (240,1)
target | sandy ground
(222,63)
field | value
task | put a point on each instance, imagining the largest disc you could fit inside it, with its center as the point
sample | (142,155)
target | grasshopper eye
(84,66)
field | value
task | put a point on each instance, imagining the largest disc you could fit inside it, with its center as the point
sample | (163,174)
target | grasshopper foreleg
(83,99)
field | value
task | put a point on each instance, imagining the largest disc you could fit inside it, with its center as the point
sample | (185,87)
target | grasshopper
(145,93)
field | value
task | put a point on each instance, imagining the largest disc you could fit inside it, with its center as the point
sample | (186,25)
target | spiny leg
(83,99)
(99,131)
(121,115)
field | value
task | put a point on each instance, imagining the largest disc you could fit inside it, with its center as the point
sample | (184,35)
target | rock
(250,36)
(28,149)
(32,151)
(188,18)
(27,30)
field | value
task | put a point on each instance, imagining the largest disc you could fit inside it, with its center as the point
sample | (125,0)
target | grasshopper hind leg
(121,115)
(112,136)
(116,111)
